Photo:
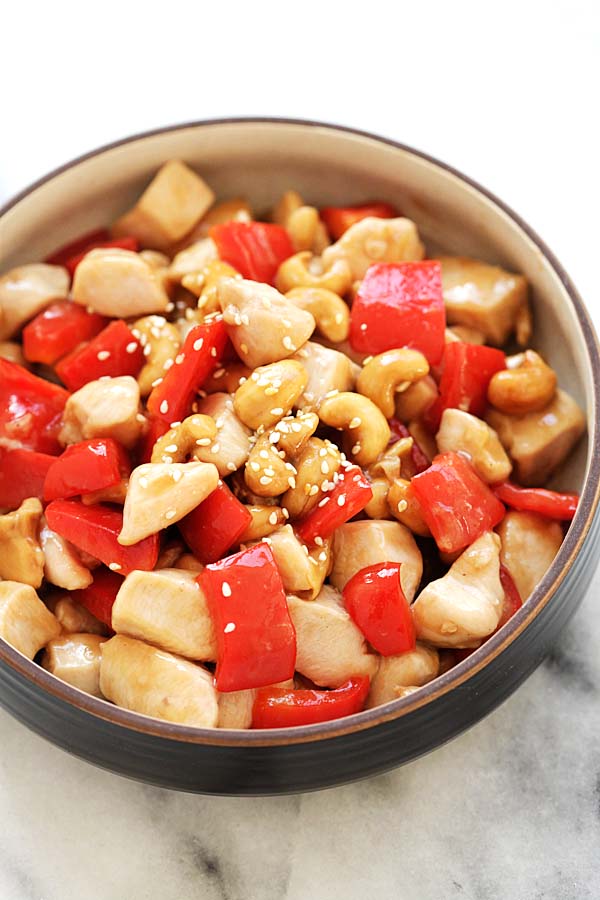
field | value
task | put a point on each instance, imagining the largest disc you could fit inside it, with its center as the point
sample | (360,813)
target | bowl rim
(493,647)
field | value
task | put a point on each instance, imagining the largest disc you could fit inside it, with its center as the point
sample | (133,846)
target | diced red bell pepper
(171,400)
(338,219)
(349,496)
(457,505)
(286,708)
(99,597)
(124,243)
(30,408)
(468,369)
(79,245)
(376,602)
(547,503)
(58,329)
(95,530)
(256,640)
(418,459)
(86,467)
(512,598)
(22,475)
(255,249)
(115,351)
(400,305)
(214,526)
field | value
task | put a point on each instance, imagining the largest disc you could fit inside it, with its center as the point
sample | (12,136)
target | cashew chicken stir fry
(265,472)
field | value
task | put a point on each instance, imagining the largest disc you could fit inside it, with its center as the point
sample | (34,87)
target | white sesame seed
(356,422)
(338,318)
(179,359)
(229,627)
(319,541)
(103,354)
(114,566)
(341,500)
(244,348)
(147,349)
(170,514)
(168,363)
(231,466)
(322,556)
(270,391)
(164,407)
(215,447)
(286,512)
(169,307)
(274,437)
(292,481)
(264,479)
(156,382)
(176,475)
(226,589)
(288,343)
(322,502)
(143,482)
(172,448)
(213,350)
(277,411)
(402,505)
(324,467)
(131,347)
(363,326)
(313,490)
(197,345)
(356,449)
(203,442)
(273,518)
(218,373)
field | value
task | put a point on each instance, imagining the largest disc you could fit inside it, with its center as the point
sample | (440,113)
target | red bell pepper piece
(547,503)
(214,526)
(285,708)
(376,602)
(115,351)
(256,640)
(79,245)
(338,219)
(457,505)
(58,329)
(30,408)
(400,305)
(350,495)
(512,598)
(468,369)
(124,243)
(86,467)
(171,400)
(255,249)
(95,530)
(99,597)
(22,475)
(418,459)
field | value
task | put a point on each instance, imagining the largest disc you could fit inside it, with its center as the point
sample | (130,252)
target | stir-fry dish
(268,468)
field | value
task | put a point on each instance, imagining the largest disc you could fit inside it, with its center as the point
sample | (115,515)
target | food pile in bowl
(258,473)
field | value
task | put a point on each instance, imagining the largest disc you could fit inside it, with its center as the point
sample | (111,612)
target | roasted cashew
(267,474)
(367,431)
(227,378)
(393,462)
(181,441)
(265,520)
(270,393)
(203,284)
(291,434)
(405,508)
(389,373)
(161,342)
(377,507)
(21,556)
(329,311)
(305,270)
(287,204)
(526,385)
(317,466)
(302,223)
(416,399)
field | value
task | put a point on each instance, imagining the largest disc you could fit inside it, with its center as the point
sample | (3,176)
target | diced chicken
(231,448)
(160,494)
(330,648)
(174,201)
(62,565)
(24,620)
(75,658)
(25,291)
(166,608)
(412,669)
(366,543)
(104,408)
(263,325)
(540,441)
(327,369)
(142,678)
(119,283)
(464,606)
(74,618)
(21,557)
(462,432)
(235,709)
(193,259)
(302,571)
(529,545)
(375,240)
(482,296)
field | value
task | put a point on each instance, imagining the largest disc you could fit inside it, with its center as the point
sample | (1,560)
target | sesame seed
(170,514)
(292,481)
(356,422)
(264,454)
(169,307)
(270,391)
(103,354)
(322,502)
(203,442)
(363,326)
(140,418)
(114,566)
(255,467)
(172,448)
(402,505)
(356,449)
(244,347)
(131,347)
(264,479)
(313,490)
(288,343)
(231,466)
(229,627)
(215,447)
(143,482)
(164,407)
(338,318)
(179,359)
(168,363)
(218,373)
(367,360)
(273,518)
(341,500)
(286,512)
(274,437)
(324,468)
(147,349)
(319,541)
(213,350)
(226,589)
(277,411)
(177,475)
(270,471)
(197,345)
(156,382)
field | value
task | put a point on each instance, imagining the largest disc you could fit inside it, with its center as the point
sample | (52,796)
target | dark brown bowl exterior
(292,760)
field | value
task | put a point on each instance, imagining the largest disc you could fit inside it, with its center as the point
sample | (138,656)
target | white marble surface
(511,810)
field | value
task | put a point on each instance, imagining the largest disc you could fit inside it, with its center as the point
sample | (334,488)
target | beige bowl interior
(327,166)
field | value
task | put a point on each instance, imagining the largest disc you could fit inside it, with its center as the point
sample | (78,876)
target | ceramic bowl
(260,158)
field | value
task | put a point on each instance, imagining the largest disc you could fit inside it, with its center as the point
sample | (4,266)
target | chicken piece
(75,658)
(539,442)
(193,259)
(327,370)
(74,618)
(412,669)
(21,557)
(166,608)
(464,606)
(62,565)
(483,297)
(375,240)
(330,648)
(302,571)
(160,494)
(231,448)
(462,432)
(24,620)
(235,709)
(25,291)
(172,204)
(115,282)
(263,325)
(108,407)
(142,678)
(366,543)
(529,545)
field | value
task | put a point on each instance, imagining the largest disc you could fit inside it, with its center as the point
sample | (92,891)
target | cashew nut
(302,223)
(330,313)
(388,373)
(465,433)
(21,556)
(24,620)
(270,393)
(377,507)
(265,520)
(203,284)
(317,466)
(367,431)
(227,378)
(416,399)
(405,508)
(526,385)
(161,342)
(305,270)
(267,474)
(291,434)
(395,462)
(181,441)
